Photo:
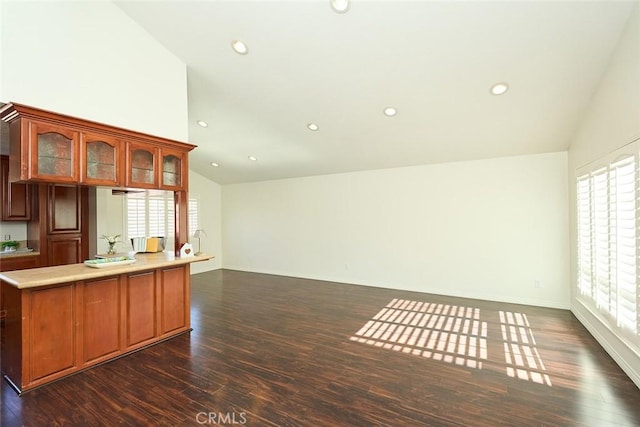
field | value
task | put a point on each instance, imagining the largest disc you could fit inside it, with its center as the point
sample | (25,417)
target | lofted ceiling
(434,61)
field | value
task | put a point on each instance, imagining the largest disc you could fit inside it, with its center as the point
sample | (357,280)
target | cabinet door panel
(174,169)
(100,160)
(65,249)
(54,152)
(173,296)
(65,205)
(16,197)
(141,308)
(19,262)
(142,166)
(101,318)
(51,331)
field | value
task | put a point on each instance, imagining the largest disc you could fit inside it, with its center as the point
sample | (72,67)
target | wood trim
(181,223)
(7,114)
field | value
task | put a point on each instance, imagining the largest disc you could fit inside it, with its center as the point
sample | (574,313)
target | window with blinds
(153,215)
(607,247)
(193,216)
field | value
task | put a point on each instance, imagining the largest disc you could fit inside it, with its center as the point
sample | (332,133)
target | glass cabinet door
(55,150)
(100,159)
(141,166)
(172,165)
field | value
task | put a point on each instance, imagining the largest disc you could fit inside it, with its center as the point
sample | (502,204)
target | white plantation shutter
(623,184)
(585,283)
(607,246)
(156,217)
(136,217)
(171,218)
(193,216)
(600,227)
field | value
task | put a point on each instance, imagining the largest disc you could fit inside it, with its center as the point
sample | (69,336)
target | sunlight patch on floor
(444,332)
(520,352)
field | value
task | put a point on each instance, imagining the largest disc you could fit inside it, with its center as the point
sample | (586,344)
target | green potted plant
(111,241)
(10,245)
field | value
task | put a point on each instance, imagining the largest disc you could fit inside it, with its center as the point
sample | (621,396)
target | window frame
(607,239)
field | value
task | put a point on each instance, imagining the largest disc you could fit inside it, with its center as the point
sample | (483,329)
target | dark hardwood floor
(270,350)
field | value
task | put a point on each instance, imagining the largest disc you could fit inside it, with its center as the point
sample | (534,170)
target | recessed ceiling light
(340,6)
(499,88)
(390,111)
(202,123)
(214,164)
(239,47)
(253,158)
(312,126)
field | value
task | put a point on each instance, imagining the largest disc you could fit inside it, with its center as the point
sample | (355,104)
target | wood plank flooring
(276,351)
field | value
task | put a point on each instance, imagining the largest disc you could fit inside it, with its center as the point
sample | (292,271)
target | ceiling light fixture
(499,88)
(202,123)
(390,111)
(253,158)
(312,126)
(239,47)
(340,6)
(214,164)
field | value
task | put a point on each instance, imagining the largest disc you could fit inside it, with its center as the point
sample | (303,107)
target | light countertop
(35,277)
(18,253)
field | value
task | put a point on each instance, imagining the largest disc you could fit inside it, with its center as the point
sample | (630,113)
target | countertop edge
(18,254)
(46,276)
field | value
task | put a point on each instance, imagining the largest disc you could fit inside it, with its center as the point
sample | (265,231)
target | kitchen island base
(56,330)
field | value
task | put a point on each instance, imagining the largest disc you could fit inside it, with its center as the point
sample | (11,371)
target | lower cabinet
(55,331)
(174,301)
(64,249)
(51,327)
(9,263)
(99,303)
(141,309)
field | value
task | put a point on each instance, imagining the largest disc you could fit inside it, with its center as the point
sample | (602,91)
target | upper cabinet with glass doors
(53,148)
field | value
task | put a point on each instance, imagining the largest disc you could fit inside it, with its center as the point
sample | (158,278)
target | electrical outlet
(537,284)
(7,237)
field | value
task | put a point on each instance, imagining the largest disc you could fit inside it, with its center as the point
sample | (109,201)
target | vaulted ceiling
(434,61)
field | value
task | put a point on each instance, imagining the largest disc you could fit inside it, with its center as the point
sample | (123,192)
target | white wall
(110,220)
(90,60)
(482,229)
(209,195)
(612,121)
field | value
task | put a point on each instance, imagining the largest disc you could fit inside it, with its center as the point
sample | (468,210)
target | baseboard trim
(624,364)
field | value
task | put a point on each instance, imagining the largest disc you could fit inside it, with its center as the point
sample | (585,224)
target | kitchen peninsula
(64,319)
(68,315)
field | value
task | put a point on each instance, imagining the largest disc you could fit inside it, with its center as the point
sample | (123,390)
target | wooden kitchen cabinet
(51,329)
(52,148)
(100,160)
(142,166)
(46,152)
(174,299)
(174,169)
(99,302)
(55,148)
(87,318)
(60,230)
(14,262)
(16,197)
(141,322)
